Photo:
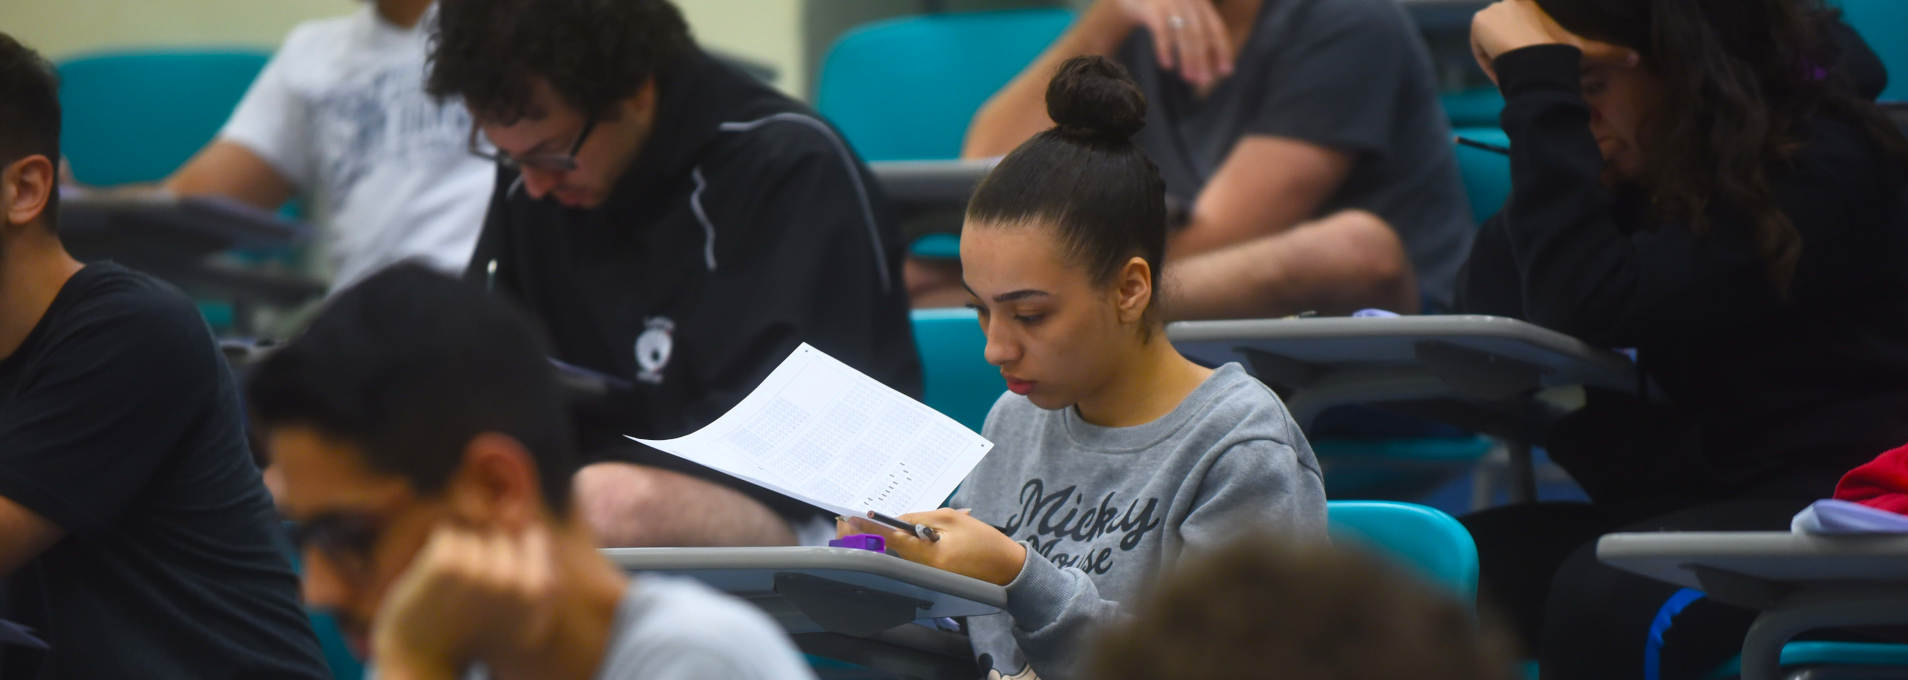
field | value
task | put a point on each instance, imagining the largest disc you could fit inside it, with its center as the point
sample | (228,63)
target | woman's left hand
(1508,25)
(968,546)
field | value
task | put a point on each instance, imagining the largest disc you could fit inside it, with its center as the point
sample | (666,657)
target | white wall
(63,28)
(768,31)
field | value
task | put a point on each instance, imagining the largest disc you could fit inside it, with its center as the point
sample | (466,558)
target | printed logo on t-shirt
(382,118)
(653,348)
(1065,514)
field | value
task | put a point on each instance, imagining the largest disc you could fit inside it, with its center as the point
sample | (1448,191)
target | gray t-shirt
(1103,511)
(678,629)
(1350,75)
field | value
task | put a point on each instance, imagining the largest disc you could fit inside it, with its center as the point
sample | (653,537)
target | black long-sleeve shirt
(745,226)
(1780,395)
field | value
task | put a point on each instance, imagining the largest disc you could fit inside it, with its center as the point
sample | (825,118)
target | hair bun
(1092,98)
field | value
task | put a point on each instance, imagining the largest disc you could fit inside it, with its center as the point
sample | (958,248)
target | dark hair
(30,114)
(593,53)
(1085,177)
(1740,76)
(1272,607)
(408,366)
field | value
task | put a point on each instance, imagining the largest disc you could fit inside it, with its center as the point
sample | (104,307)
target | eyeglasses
(346,539)
(547,162)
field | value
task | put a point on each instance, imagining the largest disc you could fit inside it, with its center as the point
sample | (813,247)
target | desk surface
(202,224)
(1329,342)
(1776,557)
(750,573)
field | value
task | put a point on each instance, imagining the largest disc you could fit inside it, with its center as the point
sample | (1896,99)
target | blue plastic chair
(1475,107)
(1433,544)
(135,116)
(1486,174)
(905,89)
(1884,25)
(957,379)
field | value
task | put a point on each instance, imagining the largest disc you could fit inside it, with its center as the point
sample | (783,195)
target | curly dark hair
(593,53)
(1740,77)
(1271,607)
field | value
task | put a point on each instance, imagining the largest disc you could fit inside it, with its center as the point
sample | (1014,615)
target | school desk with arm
(1494,375)
(867,608)
(1799,582)
(181,240)
(930,200)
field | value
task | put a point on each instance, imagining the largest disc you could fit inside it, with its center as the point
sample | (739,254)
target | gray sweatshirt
(1103,511)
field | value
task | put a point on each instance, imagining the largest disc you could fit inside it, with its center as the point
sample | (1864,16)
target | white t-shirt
(341,112)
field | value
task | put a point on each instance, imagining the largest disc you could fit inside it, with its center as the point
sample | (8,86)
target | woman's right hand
(1188,37)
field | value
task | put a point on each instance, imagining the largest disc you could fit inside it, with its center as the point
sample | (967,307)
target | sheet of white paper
(821,432)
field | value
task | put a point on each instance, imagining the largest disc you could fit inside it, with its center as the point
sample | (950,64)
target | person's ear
(28,187)
(1133,290)
(641,106)
(496,485)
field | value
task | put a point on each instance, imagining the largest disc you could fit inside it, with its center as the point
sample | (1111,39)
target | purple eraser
(861,542)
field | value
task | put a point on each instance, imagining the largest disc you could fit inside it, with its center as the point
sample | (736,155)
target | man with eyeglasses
(678,228)
(136,538)
(426,457)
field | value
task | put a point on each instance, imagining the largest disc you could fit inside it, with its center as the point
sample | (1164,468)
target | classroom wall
(767,31)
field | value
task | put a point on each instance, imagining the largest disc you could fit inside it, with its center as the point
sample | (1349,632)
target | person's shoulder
(770,134)
(325,33)
(699,624)
(1236,406)
(133,306)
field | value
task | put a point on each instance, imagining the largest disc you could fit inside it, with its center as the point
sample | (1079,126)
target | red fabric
(1879,483)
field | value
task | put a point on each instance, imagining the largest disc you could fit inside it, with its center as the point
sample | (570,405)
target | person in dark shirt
(1302,135)
(1702,181)
(135,534)
(678,228)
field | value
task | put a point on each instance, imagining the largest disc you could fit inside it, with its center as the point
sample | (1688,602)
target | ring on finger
(1176,22)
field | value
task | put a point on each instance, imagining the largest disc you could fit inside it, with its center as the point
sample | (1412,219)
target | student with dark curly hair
(677,226)
(1703,181)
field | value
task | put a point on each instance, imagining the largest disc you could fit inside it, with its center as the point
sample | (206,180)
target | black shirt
(1774,396)
(744,227)
(1348,75)
(120,422)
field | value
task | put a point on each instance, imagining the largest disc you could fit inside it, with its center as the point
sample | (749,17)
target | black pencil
(920,531)
(1487,146)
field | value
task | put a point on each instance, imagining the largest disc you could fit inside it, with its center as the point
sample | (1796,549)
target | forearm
(1019,111)
(1053,610)
(1336,265)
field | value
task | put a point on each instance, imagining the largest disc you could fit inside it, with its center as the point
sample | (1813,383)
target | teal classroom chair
(905,89)
(1475,107)
(134,116)
(1431,543)
(1884,25)
(1486,174)
(957,379)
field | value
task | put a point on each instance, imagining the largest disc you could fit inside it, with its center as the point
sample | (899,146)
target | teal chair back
(1475,107)
(958,380)
(905,89)
(1486,174)
(1884,25)
(1432,544)
(134,116)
